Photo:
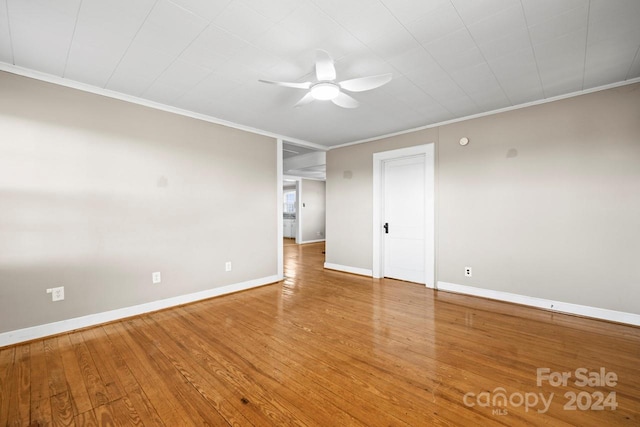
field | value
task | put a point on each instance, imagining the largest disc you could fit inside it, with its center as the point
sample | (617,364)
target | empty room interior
(319,212)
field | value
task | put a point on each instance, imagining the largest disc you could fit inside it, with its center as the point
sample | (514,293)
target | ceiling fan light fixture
(325,91)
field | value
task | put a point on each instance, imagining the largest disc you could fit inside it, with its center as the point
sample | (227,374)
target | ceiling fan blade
(345,101)
(305,85)
(365,83)
(325,70)
(305,100)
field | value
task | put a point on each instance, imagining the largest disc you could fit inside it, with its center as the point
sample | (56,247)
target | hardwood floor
(325,348)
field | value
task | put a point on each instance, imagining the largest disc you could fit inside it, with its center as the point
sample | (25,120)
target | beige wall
(312,210)
(96,194)
(543,202)
(350,197)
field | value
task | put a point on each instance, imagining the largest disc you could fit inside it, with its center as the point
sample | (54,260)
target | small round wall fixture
(464,141)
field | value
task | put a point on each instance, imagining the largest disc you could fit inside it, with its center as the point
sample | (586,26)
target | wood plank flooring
(325,348)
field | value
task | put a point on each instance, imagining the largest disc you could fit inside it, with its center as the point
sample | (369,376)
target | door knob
(386,227)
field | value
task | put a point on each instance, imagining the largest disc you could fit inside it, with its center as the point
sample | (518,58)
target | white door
(404,218)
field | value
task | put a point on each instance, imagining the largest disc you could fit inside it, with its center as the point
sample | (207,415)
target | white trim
(309,178)
(280,215)
(40,331)
(305,144)
(25,72)
(297,179)
(347,269)
(559,306)
(299,211)
(378,159)
(490,113)
(312,241)
(60,81)
(299,208)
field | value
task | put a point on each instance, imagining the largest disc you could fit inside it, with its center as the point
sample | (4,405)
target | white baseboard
(561,307)
(347,269)
(311,241)
(40,331)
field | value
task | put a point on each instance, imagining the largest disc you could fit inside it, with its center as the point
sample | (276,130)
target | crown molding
(492,112)
(60,81)
(49,78)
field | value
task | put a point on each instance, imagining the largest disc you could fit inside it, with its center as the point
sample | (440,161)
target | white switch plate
(227,266)
(156,277)
(57,294)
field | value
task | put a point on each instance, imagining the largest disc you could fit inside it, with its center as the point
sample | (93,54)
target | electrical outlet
(467,271)
(156,278)
(227,266)
(57,294)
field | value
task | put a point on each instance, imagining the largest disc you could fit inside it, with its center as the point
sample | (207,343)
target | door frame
(279,212)
(428,150)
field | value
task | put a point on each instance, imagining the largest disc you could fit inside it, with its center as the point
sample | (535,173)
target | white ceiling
(291,150)
(303,162)
(449,58)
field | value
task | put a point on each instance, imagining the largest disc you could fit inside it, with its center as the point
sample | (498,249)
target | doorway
(404,214)
(290,209)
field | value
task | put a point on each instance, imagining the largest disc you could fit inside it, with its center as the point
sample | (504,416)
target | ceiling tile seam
(224,9)
(434,60)
(13,57)
(442,68)
(275,22)
(73,35)
(377,56)
(341,26)
(186,91)
(586,42)
(88,88)
(331,18)
(191,12)
(414,109)
(249,42)
(428,53)
(533,50)
(635,58)
(482,53)
(212,24)
(130,43)
(424,92)
(438,63)
(212,71)
(541,101)
(176,58)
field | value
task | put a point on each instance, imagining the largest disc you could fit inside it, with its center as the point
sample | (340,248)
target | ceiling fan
(327,89)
